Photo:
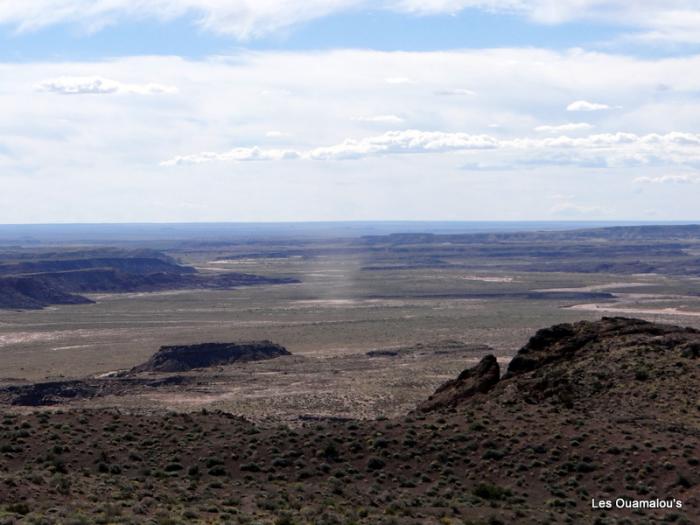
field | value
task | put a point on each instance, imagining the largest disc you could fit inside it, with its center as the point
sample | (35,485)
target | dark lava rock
(383,353)
(444,347)
(607,363)
(188,357)
(480,379)
(564,341)
(43,394)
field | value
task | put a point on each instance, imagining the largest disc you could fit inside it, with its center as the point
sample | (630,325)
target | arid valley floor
(329,434)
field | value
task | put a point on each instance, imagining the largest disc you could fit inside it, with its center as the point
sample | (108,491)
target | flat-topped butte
(188,357)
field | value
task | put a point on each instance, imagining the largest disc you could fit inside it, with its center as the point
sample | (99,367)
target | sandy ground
(607,308)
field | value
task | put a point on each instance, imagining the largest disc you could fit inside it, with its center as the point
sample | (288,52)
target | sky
(328,110)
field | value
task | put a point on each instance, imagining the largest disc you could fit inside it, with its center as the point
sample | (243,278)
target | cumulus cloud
(572,126)
(409,141)
(99,86)
(585,105)
(618,147)
(236,154)
(121,139)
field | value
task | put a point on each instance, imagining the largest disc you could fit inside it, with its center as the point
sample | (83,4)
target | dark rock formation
(602,363)
(28,293)
(565,341)
(447,346)
(383,353)
(43,394)
(38,283)
(188,357)
(478,380)
(614,361)
(64,392)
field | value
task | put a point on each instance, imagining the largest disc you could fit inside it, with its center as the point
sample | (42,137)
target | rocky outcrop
(567,341)
(188,357)
(478,380)
(69,391)
(46,394)
(597,363)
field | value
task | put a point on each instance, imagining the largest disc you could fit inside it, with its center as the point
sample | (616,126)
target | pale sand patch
(70,347)
(490,279)
(17,338)
(131,295)
(111,373)
(356,303)
(595,287)
(629,310)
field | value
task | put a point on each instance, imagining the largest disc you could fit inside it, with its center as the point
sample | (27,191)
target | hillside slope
(588,411)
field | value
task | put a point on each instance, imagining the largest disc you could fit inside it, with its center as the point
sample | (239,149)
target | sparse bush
(488,491)
(375,464)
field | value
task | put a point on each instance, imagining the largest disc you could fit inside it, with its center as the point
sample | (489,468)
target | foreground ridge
(586,412)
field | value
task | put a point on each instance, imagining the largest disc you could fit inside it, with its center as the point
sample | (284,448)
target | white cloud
(274,134)
(398,80)
(669,179)
(99,86)
(243,19)
(381,119)
(618,148)
(236,154)
(409,141)
(654,20)
(455,92)
(584,105)
(572,126)
(98,155)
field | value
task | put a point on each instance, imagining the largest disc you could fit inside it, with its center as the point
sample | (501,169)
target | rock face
(188,357)
(566,341)
(480,379)
(612,361)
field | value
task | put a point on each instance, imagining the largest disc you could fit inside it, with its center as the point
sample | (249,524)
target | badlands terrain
(329,379)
